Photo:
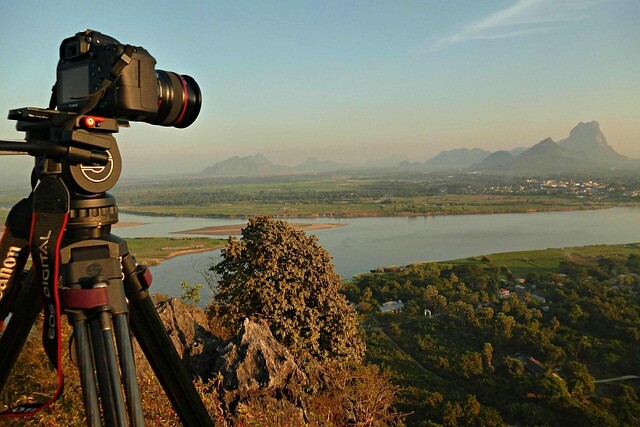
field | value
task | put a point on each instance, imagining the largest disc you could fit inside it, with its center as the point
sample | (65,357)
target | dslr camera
(140,93)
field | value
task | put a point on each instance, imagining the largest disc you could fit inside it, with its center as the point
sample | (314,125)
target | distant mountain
(499,158)
(387,162)
(410,165)
(260,165)
(459,158)
(518,150)
(588,140)
(585,150)
(546,157)
(244,166)
(313,164)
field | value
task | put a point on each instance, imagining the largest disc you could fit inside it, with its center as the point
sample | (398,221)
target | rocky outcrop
(254,364)
(254,377)
(187,327)
(250,369)
(254,359)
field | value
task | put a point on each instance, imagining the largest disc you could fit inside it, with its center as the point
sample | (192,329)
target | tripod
(66,222)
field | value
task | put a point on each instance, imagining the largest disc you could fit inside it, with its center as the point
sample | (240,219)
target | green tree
(514,366)
(434,301)
(627,406)
(190,293)
(504,325)
(633,263)
(551,387)
(464,313)
(484,314)
(576,315)
(471,364)
(450,413)
(277,273)
(579,382)
(487,357)
(426,342)
(367,304)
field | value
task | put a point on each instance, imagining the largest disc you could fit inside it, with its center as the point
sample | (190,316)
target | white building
(392,306)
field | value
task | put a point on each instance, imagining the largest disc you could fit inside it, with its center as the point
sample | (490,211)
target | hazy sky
(349,80)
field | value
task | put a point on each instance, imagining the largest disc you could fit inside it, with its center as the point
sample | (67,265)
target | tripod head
(83,144)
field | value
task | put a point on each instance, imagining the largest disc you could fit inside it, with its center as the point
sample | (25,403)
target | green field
(359,194)
(152,250)
(345,196)
(549,260)
(367,207)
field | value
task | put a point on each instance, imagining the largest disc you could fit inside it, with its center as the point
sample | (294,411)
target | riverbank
(154,250)
(236,229)
(362,211)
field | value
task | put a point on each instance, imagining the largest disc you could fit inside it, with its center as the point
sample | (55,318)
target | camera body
(87,59)
(140,93)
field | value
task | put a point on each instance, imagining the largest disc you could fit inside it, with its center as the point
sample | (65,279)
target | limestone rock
(254,360)
(187,328)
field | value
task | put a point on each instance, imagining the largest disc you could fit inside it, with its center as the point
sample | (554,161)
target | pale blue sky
(350,80)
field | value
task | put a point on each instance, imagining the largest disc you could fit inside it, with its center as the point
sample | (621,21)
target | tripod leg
(86,368)
(27,307)
(92,276)
(158,348)
(106,368)
(125,353)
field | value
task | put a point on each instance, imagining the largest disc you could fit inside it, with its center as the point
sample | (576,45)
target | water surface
(367,243)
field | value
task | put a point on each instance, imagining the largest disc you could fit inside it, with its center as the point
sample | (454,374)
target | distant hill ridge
(257,164)
(585,149)
(457,158)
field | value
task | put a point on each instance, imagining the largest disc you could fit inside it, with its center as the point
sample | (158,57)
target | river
(366,243)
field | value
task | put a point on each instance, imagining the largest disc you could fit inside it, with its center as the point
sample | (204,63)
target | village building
(392,307)
(538,298)
(504,293)
(533,366)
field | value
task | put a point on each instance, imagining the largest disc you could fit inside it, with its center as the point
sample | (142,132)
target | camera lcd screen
(74,84)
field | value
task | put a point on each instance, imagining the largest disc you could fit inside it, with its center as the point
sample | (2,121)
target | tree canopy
(282,275)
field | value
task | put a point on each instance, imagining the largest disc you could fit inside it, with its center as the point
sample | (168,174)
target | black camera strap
(48,223)
(14,247)
(92,100)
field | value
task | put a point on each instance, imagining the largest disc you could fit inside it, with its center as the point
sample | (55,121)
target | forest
(479,344)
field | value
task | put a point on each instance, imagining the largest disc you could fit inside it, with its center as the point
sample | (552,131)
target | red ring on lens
(185,100)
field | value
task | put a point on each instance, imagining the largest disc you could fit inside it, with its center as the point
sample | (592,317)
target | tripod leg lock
(84,299)
(137,277)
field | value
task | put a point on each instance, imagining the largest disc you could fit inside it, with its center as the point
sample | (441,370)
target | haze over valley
(585,150)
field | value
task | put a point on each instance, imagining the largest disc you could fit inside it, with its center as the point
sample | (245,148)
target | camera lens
(179,100)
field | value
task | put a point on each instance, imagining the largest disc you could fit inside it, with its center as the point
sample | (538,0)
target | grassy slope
(548,260)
